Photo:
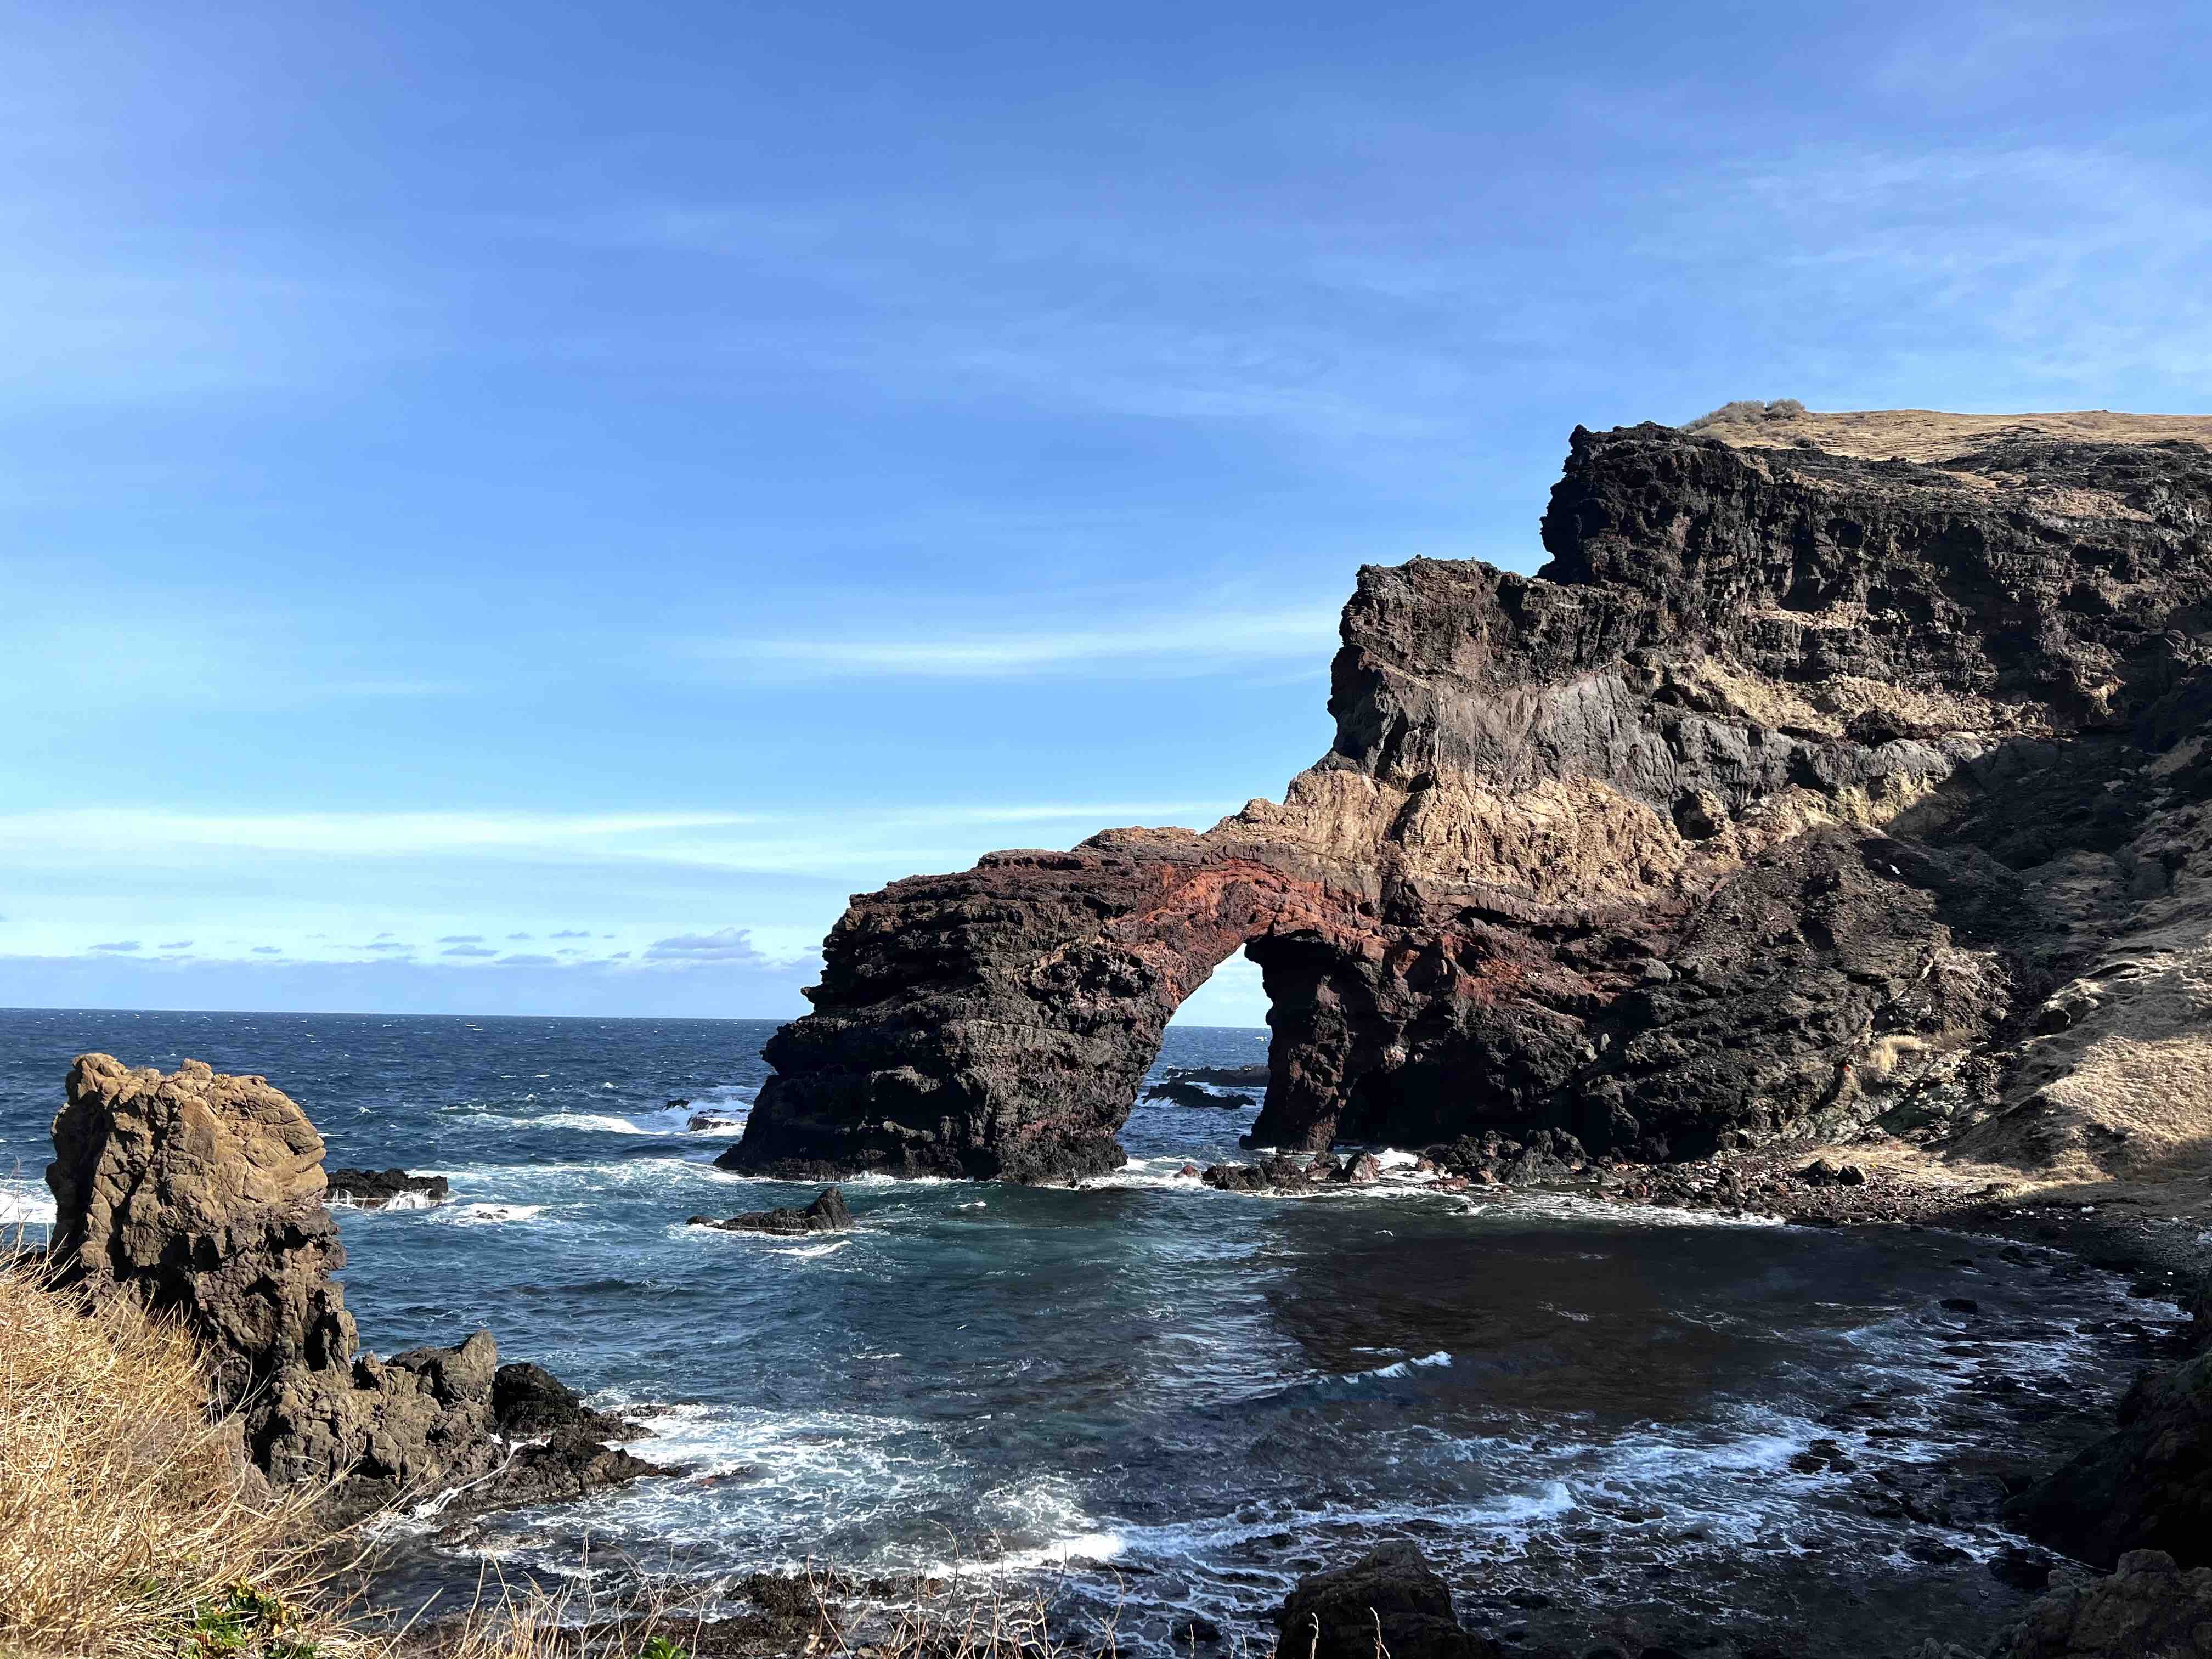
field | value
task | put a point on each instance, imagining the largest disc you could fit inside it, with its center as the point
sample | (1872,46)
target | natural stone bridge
(1789,787)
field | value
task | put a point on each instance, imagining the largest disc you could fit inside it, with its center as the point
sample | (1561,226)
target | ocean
(1160,1399)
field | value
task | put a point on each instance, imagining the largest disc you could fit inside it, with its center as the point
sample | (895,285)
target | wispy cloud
(828,840)
(118,946)
(726,945)
(468,951)
(1183,645)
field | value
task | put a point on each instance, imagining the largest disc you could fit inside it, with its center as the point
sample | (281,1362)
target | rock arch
(997,1024)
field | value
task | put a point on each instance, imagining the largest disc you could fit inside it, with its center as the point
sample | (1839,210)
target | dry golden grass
(129,1523)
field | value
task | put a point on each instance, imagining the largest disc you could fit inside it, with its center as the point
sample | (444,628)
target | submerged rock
(377,1189)
(826,1214)
(1390,1596)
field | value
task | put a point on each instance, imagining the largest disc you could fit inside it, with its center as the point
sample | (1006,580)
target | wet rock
(704,1122)
(2148,1608)
(1235,1178)
(1960,1304)
(527,1400)
(1194,1630)
(1194,1094)
(375,1190)
(826,1214)
(1362,1171)
(2148,1486)
(1390,1596)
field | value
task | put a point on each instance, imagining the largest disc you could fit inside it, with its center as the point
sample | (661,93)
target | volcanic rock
(1391,1596)
(1193,1094)
(2148,1486)
(375,1189)
(1801,792)
(2148,1608)
(201,1196)
(826,1214)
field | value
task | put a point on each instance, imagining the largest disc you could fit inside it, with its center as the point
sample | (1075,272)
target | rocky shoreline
(145,1160)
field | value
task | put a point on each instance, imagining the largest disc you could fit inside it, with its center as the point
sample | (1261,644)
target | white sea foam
(812,1252)
(23,1205)
(488,1215)
(1400,1368)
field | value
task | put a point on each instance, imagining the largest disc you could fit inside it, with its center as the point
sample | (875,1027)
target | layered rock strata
(201,1196)
(1798,791)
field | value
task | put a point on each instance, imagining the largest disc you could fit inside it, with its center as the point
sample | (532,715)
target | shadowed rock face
(1786,797)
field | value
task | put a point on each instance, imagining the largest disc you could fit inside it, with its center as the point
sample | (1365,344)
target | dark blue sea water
(1190,1396)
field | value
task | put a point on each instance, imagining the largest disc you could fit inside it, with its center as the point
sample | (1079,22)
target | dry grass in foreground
(130,1525)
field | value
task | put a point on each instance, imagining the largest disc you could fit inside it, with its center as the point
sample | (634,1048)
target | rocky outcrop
(827,1214)
(379,1189)
(2148,1608)
(201,1196)
(1390,1596)
(2148,1486)
(1800,790)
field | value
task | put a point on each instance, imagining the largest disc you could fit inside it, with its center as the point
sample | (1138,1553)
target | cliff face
(1798,789)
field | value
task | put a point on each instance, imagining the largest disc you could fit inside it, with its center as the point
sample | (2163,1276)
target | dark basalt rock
(826,1214)
(1391,1596)
(2148,1608)
(372,1189)
(2148,1486)
(1798,793)
(1194,1094)
(1221,1076)
(527,1401)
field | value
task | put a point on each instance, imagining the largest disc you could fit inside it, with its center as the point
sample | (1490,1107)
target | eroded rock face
(1798,790)
(2148,1608)
(202,1195)
(2148,1486)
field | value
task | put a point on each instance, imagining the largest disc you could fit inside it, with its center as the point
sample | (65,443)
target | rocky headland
(1806,791)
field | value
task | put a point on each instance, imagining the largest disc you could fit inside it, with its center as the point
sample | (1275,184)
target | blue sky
(524,508)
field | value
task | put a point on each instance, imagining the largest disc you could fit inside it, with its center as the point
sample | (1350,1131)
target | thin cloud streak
(1194,646)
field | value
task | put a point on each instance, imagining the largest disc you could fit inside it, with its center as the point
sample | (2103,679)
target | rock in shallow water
(376,1189)
(826,1214)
